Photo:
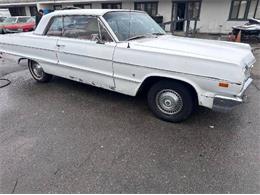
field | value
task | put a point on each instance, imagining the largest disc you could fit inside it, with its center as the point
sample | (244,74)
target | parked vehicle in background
(249,31)
(70,8)
(19,24)
(4,13)
(128,52)
(3,22)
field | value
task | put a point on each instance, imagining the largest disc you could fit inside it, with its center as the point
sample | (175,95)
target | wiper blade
(158,34)
(144,36)
(137,37)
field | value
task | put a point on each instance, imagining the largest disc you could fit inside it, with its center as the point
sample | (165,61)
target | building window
(186,10)
(111,5)
(80,27)
(244,9)
(83,6)
(254,10)
(57,7)
(17,11)
(193,10)
(150,7)
(33,10)
(257,11)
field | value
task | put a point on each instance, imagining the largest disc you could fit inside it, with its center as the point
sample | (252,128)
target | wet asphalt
(67,137)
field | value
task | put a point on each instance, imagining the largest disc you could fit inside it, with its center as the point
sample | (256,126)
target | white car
(127,52)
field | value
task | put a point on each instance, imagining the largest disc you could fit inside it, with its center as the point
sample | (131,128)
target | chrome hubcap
(37,70)
(169,102)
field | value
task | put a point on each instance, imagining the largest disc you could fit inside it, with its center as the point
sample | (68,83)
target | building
(207,16)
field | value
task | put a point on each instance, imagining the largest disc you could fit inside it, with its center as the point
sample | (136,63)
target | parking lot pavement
(256,73)
(64,137)
(7,68)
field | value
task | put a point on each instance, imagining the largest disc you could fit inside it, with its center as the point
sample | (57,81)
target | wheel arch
(23,59)
(152,79)
(29,60)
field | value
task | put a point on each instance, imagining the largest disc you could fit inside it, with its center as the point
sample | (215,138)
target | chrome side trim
(30,58)
(85,56)
(206,77)
(42,49)
(56,51)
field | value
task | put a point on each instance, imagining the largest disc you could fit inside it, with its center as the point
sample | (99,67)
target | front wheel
(37,72)
(171,101)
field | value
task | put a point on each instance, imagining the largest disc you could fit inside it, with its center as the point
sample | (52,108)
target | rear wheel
(37,72)
(171,101)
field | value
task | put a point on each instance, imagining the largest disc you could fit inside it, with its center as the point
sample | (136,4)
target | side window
(22,20)
(55,28)
(104,34)
(81,27)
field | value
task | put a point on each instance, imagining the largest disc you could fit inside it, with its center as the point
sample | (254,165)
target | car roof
(93,12)
(20,17)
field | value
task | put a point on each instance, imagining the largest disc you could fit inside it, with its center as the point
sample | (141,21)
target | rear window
(80,27)
(10,20)
(23,20)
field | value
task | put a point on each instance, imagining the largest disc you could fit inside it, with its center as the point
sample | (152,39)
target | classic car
(128,52)
(1,21)
(19,24)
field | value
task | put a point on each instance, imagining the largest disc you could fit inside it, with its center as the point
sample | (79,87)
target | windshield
(128,25)
(23,20)
(10,20)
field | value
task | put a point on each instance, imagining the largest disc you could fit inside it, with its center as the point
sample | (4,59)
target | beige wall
(96,5)
(214,17)
(165,9)
(27,11)
(44,6)
(127,5)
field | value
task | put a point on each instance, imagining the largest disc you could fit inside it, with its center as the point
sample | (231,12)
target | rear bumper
(225,104)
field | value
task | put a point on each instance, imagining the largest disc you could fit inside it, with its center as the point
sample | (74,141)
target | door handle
(59,45)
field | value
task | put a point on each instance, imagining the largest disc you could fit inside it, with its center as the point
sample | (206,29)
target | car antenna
(129,31)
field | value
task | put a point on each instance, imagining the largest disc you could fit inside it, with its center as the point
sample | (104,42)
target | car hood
(248,27)
(12,26)
(2,24)
(235,54)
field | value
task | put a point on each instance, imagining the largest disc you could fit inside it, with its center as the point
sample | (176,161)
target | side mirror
(95,37)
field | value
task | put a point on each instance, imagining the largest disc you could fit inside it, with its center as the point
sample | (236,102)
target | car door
(47,55)
(85,51)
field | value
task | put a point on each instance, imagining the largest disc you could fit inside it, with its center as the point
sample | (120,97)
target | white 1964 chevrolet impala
(127,52)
